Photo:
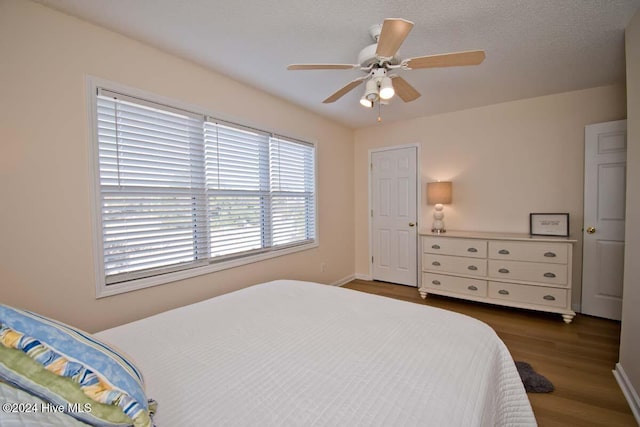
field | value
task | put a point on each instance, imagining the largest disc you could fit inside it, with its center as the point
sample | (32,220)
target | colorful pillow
(64,365)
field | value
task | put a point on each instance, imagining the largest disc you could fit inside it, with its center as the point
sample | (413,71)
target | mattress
(291,353)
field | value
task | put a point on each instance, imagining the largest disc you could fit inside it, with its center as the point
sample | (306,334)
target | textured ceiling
(533,47)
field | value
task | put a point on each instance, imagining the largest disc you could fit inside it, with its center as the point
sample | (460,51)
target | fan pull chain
(379,118)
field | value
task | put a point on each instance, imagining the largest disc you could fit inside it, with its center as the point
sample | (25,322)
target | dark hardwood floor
(577,358)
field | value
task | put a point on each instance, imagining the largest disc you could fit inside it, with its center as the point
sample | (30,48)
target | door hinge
(372,213)
(371,260)
(371,165)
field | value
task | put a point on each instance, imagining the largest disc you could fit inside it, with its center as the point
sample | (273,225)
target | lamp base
(438,223)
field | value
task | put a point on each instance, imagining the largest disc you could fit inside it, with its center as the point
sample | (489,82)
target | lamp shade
(386,88)
(366,103)
(439,193)
(371,91)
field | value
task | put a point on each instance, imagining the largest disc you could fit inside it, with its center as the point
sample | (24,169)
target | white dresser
(515,270)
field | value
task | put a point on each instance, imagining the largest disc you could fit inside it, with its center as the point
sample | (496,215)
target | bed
(291,353)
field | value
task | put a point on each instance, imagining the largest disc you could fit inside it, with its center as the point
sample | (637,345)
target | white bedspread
(289,353)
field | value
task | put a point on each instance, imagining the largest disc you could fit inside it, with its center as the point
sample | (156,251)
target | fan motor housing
(368,57)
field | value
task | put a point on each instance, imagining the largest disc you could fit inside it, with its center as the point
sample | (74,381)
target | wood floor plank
(577,358)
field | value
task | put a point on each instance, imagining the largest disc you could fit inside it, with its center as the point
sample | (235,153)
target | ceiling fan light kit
(379,59)
(378,88)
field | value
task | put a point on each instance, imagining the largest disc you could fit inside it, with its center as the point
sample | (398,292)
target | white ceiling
(533,47)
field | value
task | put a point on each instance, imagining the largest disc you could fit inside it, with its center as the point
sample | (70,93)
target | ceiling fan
(379,61)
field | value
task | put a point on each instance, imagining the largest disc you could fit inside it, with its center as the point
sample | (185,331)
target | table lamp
(438,194)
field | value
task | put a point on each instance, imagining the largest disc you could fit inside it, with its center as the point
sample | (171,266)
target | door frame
(418,204)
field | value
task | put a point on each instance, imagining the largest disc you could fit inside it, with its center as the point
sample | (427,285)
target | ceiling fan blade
(393,33)
(404,89)
(343,91)
(456,59)
(322,66)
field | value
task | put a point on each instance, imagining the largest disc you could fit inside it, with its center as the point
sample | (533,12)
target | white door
(605,174)
(394,213)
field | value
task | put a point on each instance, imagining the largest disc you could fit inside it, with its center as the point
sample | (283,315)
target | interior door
(604,219)
(394,213)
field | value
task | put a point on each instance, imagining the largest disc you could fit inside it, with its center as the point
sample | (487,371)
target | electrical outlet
(323,266)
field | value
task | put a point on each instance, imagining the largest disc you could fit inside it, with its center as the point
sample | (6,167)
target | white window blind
(260,190)
(292,186)
(237,186)
(152,188)
(179,190)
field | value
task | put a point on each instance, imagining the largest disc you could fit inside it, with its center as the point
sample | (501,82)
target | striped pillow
(53,361)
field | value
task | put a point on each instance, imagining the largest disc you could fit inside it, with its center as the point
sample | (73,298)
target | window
(184,192)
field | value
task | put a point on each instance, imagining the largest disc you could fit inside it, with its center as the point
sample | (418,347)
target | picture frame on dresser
(549,224)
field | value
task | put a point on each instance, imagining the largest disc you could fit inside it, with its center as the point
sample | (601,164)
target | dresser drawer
(451,246)
(539,295)
(452,264)
(459,285)
(556,253)
(529,271)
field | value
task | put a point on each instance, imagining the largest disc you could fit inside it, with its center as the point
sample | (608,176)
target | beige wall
(46,258)
(630,336)
(505,161)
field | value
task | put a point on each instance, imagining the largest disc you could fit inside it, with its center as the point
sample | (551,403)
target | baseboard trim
(343,281)
(627,389)
(364,277)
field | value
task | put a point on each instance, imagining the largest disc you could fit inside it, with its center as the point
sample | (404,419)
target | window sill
(103,290)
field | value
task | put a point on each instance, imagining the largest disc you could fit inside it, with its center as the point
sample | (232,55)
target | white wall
(505,160)
(46,259)
(630,336)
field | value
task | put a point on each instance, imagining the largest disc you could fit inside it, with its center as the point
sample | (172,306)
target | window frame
(104,290)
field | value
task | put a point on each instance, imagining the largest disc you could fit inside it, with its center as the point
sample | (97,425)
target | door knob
(591,230)
(412,224)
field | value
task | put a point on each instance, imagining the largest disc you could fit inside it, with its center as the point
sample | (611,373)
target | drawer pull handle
(503,270)
(472,288)
(435,246)
(472,267)
(503,292)
(435,282)
(550,254)
(436,263)
(549,275)
(549,297)
(472,250)
(504,252)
